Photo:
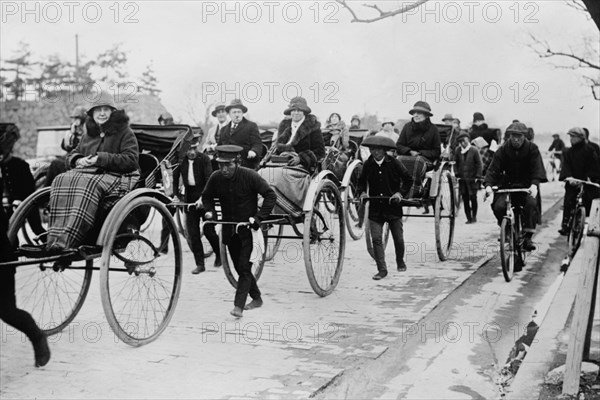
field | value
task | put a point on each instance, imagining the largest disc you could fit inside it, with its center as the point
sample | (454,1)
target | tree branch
(382,14)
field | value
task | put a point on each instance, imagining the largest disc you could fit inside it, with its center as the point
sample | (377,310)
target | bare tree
(382,13)
(583,57)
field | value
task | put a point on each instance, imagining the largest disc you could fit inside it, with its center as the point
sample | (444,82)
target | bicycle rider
(518,164)
(580,161)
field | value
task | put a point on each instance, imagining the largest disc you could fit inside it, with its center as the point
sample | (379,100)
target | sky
(460,57)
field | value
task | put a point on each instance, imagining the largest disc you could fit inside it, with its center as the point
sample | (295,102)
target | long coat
(469,168)
(423,137)
(308,142)
(17,177)
(202,169)
(580,161)
(245,135)
(114,143)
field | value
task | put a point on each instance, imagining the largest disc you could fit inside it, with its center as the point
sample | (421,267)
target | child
(468,169)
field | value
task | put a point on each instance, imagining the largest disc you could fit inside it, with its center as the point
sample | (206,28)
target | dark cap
(578,132)
(228,152)
(463,134)
(517,128)
(166,116)
(219,107)
(379,141)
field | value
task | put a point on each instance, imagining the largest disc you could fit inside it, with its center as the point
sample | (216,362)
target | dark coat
(245,135)
(385,180)
(485,132)
(17,178)
(516,168)
(423,137)
(308,142)
(114,143)
(238,197)
(580,161)
(557,145)
(202,170)
(469,167)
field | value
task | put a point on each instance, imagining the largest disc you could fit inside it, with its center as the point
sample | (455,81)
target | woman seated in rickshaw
(419,146)
(340,138)
(102,169)
(301,139)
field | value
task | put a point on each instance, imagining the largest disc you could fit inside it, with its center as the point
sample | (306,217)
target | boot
(217,262)
(528,243)
(41,350)
(199,269)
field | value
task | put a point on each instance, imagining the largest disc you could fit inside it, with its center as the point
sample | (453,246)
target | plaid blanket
(486,158)
(416,166)
(290,184)
(75,199)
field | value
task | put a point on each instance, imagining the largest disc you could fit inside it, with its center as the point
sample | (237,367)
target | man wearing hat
(237,189)
(387,130)
(594,145)
(518,164)
(69,142)
(242,132)
(355,122)
(556,148)
(384,176)
(468,171)
(195,169)
(580,161)
(480,129)
(214,133)
(165,119)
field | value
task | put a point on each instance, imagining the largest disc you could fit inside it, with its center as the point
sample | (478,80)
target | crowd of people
(227,165)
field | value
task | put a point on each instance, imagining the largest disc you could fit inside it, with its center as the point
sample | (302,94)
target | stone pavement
(293,347)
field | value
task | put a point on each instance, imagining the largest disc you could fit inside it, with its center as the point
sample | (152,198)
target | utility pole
(77,58)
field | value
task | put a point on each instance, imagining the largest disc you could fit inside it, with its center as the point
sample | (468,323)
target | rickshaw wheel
(369,239)
(52,297)
(139,286)
(445,215)
(180,218)
(228,267)
(356,227)
(324,239)
(272,244)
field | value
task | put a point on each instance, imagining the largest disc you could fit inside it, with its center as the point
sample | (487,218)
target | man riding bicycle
(580,161)
(518,164)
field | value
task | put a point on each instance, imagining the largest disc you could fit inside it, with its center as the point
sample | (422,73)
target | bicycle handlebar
(496,190)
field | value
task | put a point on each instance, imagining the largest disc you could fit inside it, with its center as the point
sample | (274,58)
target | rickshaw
(139,285)
(439,190)
(320,224)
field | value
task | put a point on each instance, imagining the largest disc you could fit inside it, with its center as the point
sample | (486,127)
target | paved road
(298,345)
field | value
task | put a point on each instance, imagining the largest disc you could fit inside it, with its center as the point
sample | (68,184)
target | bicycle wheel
(507,249)
(576,230)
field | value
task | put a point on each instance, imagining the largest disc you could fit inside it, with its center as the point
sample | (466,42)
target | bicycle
(555,164)
(577,217)
(512,253)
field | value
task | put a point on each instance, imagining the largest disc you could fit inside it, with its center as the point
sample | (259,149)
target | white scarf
(464,150)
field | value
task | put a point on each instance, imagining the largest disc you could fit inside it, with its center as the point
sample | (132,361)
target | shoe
(217,262)
(164,250)
(255,303)
(401,268)
(380,275)
(60,265)
(42,351)
(237,312)
(199,269)
(474,219)
(426,211)
(564,231)
(468,221)
(528,244)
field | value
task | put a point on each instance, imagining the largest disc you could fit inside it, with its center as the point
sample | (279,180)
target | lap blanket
(290,184)
(416,166)
(76,197)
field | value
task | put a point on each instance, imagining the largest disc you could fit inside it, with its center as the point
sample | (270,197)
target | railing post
(583,303)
